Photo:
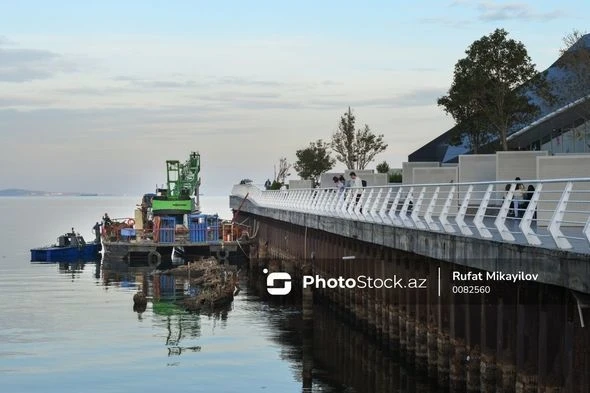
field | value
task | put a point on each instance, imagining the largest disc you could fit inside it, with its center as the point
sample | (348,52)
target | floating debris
(139,302)
(211,284)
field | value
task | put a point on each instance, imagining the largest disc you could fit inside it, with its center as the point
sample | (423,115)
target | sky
(95,96)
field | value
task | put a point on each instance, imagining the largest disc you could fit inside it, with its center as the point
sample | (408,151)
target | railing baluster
(481,212)
(460,219)
(394,218)
(445,212)
(403,214)
(416,210)
(555,223)
(428,216)
(383,210)
(527,219)
(500,221)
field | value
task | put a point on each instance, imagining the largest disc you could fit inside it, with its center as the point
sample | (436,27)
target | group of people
(355,182)
(520,199)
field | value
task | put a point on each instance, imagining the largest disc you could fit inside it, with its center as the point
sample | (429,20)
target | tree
(314,160)
(462,104)
(487,86)
(282,174)
(395,178)
(355,148)
(383,167)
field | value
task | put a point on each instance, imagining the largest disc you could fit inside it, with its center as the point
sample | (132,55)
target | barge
(170,223)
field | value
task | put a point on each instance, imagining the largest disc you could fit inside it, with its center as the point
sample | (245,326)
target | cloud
(489,11)
(4,41)
(243,81)
(418,97)
(24,65)
(14,102)
(211,81)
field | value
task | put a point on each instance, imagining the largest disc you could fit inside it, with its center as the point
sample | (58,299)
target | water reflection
(330,354)
(166,294)
(75,267)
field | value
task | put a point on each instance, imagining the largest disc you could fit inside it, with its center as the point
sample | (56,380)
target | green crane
(183,182)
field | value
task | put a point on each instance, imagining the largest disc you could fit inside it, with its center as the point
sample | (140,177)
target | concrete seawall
(555,267)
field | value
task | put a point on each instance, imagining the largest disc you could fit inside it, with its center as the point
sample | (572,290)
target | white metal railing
(555,215)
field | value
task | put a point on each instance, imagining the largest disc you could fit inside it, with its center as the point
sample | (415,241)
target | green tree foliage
(486,93)
(395,178)
(461,103)
(355,148)
(314,160)
(383,167)
(276,185)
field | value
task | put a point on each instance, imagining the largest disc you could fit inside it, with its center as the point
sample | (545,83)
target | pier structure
(505,297)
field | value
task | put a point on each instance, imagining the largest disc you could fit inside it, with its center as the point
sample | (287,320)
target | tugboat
(70,246)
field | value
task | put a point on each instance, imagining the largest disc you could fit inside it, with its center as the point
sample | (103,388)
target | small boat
(70,246)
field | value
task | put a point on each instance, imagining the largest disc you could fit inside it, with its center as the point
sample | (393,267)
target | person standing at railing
(339,184)
(518,198)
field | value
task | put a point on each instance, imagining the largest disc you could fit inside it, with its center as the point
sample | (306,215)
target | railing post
(416,210)
(587,229)
(481,212)
(428,216)
(445,212)
(403,214)
(383,209)
(347,206)
(555,223)
(373,210)
(500,221)
(394,219)
(527,219)
(360,205)
(460,219)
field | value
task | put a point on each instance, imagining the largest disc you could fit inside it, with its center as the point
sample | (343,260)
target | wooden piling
(444,354)
(473,382)
(457,372)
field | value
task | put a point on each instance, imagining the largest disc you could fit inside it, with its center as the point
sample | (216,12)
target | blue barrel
(213,228)
(197,228)
(167,227)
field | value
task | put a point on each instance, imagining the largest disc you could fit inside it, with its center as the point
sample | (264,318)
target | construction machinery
(182,193)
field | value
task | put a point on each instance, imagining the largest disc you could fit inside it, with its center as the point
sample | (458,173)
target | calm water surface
(71,327)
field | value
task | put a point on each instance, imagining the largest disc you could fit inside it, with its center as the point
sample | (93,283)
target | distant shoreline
(29,193)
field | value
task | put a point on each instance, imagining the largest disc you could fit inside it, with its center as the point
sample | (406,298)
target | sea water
(71,327)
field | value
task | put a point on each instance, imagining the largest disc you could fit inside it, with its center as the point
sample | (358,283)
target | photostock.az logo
(278,276)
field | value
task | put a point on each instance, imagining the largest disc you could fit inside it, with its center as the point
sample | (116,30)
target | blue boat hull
(65,254)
